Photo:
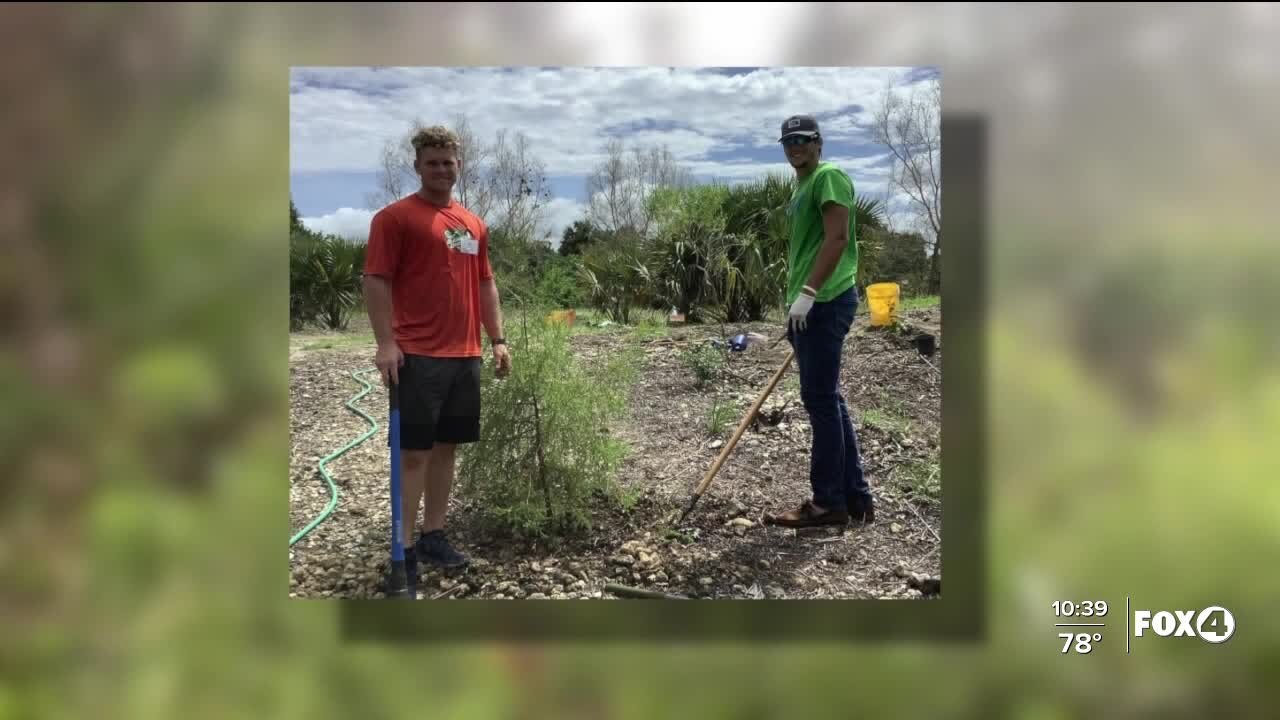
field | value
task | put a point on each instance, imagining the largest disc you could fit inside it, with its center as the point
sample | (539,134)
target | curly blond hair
(435,136)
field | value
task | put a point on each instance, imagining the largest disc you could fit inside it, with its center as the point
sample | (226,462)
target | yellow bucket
(564,317)
(882,298)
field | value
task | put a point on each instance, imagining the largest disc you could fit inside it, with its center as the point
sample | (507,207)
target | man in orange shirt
(429,287)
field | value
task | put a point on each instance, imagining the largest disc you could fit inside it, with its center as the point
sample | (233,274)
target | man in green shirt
(822,262)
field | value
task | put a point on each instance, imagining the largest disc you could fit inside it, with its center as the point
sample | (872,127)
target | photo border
(957,615)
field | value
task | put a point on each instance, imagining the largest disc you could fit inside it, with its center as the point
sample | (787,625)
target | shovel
(397,583)
(742,427)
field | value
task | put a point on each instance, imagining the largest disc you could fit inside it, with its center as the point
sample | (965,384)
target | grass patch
(790,383)
(887,421)
(720,416)
(923,478)
(703,362)
(920,302)
(911,302)
(651,325)
(588,320)
(645,323)
(335,341)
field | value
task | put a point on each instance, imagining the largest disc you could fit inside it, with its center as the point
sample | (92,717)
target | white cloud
(863,166)
(340,118)
(351,223)
(559,214)
(714,124)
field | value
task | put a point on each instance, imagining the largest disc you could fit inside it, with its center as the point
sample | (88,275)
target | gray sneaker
(434,547)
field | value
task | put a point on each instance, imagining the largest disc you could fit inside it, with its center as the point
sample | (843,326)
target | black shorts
(439,401)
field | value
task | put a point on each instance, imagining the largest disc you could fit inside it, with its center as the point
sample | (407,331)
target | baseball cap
(799,125)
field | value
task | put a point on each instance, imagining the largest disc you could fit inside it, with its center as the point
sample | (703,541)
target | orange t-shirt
(435,258)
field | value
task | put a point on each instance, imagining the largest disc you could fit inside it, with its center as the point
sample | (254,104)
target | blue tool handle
(397,550)
(398,585)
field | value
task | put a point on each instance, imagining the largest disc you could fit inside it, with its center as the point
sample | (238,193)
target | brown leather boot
(808,516)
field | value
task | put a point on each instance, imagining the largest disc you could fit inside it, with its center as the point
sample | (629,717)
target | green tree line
(713,252)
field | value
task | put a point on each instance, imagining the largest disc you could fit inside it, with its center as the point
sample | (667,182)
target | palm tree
(868,214)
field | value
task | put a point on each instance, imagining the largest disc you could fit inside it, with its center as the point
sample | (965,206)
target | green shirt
(827,183)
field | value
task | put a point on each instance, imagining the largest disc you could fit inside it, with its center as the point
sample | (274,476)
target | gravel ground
(722,550)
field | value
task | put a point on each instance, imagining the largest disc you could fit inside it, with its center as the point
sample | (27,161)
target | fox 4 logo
(1213,624)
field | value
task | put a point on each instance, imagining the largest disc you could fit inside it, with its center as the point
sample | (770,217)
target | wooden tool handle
(742,426)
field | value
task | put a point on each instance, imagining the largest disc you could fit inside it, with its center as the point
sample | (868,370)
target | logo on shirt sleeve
(461,240)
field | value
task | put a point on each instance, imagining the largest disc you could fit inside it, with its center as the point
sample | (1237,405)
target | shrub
(704,361)
(756,222)
(616,274)
(545,449)
(325,279)
(899,257)
(302,307)
(559,285)
(688,254)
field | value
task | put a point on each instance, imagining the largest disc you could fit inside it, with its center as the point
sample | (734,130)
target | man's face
(801,151)
(438,168)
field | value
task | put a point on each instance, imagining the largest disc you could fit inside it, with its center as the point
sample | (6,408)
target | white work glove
(797,316)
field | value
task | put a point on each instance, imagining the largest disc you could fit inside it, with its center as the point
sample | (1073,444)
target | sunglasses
(798,140)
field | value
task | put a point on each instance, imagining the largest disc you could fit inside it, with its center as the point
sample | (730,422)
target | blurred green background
(1132,389)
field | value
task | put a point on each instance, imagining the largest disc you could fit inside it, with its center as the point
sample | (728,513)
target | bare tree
(517,183)
(619,188)
(608,188)
(473,157)
(503,183)
(656,168)
(662,170)
(396,176)
(911,128)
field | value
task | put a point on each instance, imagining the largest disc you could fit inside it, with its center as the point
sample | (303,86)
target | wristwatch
(498,341)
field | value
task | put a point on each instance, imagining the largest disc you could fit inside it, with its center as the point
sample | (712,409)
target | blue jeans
(835,466)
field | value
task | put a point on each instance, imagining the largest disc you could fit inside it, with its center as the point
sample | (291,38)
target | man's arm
(491,316)
(835,225)
(490,309)
(377,300)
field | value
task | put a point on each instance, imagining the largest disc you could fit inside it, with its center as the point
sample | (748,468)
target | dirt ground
(721,550)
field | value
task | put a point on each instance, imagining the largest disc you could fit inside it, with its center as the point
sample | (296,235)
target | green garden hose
(333,488)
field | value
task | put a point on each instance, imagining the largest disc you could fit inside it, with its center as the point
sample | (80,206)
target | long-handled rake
(397,584)
(742,427)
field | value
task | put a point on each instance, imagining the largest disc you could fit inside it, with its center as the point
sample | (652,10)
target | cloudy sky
(722,124)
